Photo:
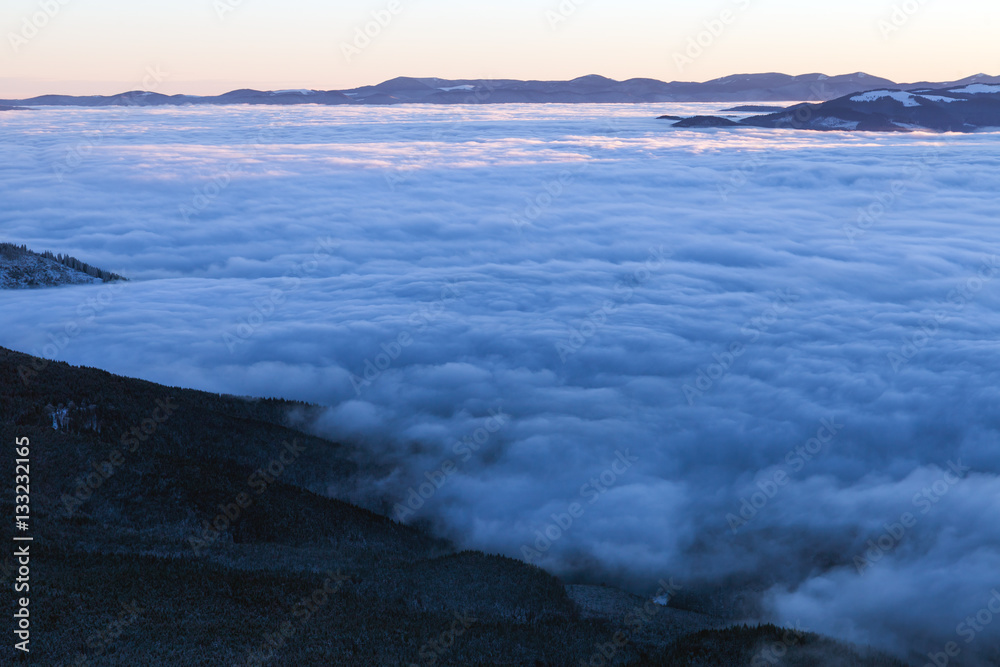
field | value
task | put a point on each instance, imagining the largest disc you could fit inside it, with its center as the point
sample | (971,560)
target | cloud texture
(789,337)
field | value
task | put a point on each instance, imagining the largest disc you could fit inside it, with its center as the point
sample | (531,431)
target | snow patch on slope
(941,98)
(898,95)
(34,271)
(978,89)
(833,123)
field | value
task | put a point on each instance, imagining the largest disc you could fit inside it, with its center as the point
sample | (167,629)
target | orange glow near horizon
(107,46)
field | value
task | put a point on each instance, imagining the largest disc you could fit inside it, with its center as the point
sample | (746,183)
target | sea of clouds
(572,334)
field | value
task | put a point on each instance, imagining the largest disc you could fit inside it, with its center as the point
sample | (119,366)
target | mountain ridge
(590,88)
(962,108)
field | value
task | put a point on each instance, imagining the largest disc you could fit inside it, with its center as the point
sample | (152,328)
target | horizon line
(487,80)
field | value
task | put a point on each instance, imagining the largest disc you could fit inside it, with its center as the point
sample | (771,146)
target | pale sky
(212,46)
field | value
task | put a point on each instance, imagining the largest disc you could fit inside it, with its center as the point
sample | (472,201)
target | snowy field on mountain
(33,271)
(572,334)
(906,98)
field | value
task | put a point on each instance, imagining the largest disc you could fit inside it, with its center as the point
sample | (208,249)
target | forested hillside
(176,527)
(20,268)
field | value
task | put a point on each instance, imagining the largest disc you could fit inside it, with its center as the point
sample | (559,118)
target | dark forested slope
(176,527)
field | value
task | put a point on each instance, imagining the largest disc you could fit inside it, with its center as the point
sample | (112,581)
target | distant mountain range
(586,89)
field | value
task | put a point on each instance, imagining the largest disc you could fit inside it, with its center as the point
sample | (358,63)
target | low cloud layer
(619,350)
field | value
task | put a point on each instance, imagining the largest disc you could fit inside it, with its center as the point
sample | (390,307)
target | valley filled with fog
(751,358)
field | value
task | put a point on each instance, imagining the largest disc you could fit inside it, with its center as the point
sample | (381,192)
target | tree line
(13,251)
